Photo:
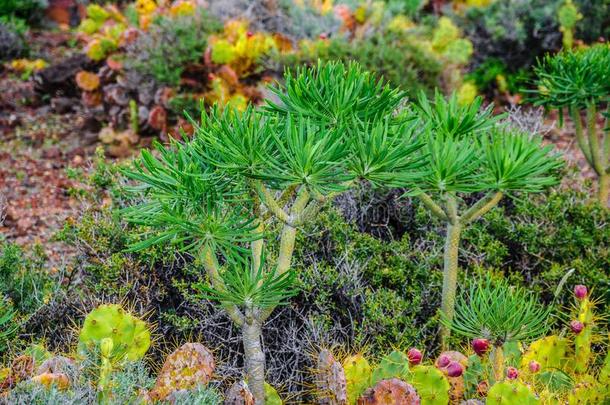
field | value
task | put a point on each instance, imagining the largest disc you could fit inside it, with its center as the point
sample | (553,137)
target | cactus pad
(271,395)
(511,393)
(550,352)
(188,366)
(431,385)
(130,335)
(357,376)
(331,385)
(582,341)
(390,391)
(394,365)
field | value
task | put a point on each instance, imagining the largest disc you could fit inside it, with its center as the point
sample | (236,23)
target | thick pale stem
(254,357)
(596,153)
(606,135)
(450,273)
(271,203)
(497,358)
(257,245)
(481,207)
(580,137)
(432,206)
(604,189)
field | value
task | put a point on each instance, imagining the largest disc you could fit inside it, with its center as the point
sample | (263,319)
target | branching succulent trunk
(254,357)
(595,150)
(450,274)
(455,224)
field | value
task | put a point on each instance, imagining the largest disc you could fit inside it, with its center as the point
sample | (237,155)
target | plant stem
(432,206)
(254,358)
(481,207)
(497,357)
(604,189)
(450,271)
(580,138)
(596,158)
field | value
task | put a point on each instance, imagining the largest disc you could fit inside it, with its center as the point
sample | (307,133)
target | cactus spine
(330,380)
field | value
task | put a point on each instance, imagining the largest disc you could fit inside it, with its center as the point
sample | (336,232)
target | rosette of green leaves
(495,310)
(574,78)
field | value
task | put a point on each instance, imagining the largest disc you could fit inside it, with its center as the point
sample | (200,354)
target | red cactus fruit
(512,373)
(454,369)
(580,291)
(534,366)
(576,326)
(415,356)
(480,346)
(443,361)
(249,34)
(323,35)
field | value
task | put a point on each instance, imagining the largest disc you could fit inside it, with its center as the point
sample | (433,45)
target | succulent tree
(236,194)
(579,81)
(471,162)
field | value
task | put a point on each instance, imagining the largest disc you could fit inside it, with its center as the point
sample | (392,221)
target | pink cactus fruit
(534,366)
(454,369)
(512,373)
(576,326)
(480,346)
(580,291)
(415,356)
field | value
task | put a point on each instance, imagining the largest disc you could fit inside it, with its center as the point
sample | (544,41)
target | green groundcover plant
(254,178)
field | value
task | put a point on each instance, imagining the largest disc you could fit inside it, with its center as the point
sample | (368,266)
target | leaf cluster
(467,150)
(574,78)
(497,311)
(249,287)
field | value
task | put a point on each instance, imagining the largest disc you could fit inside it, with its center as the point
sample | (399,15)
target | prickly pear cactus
(582,340)
(550,352)
(456,393)
(511,393)
(271,395)
(130,336)
(431,385)
(188,366)
(587,392)
(331,385)
(390,391)
(394,365)
(357,375)
(239,394)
